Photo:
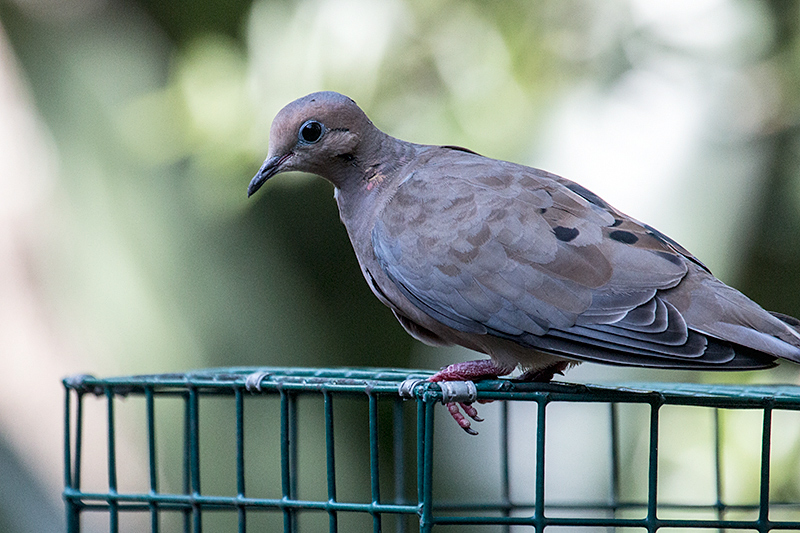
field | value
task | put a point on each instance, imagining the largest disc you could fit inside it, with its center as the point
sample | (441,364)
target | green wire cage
(350,450)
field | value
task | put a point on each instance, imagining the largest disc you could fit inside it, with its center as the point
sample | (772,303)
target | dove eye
(311,131)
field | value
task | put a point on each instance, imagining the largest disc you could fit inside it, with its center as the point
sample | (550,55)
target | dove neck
(371,180)
(375,170)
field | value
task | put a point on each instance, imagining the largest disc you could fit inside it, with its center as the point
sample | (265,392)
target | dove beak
(273,165)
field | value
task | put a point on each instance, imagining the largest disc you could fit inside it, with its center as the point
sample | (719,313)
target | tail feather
(717,310)
(788,320)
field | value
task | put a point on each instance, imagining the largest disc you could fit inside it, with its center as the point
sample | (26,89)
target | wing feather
(488,247)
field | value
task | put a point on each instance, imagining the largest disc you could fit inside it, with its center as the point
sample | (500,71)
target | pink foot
(468,371)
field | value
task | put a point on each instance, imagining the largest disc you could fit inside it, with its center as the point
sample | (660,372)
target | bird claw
(461,420)
(471,411)
(463,373)
(458,396)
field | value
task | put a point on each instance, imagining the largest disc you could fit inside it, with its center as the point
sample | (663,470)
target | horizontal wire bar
(489,520)
(143,508)
(620,506)
(386,382)
(233,502)
(787,404)
(612,522)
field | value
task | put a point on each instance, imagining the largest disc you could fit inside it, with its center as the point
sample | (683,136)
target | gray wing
(491,248)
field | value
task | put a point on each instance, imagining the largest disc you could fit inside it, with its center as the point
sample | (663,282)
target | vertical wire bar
(239,398)
(374,470)
(72,509)
(615,468)
(77,472)
(67,437)
(112,464)
(194,456)
(330,454)
(720,505)
(421,436)
(398,449)
(151,455)
(293,464)
(538,512)
(652,486)
(187,462)
(766,437)
(425,412)
(505,483)
(285,468)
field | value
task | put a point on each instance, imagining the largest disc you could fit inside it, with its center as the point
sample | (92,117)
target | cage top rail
(387,380)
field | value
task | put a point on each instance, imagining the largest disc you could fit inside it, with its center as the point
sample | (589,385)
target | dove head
(321,133)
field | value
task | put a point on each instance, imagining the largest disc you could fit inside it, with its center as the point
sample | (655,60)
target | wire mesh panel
(299,450)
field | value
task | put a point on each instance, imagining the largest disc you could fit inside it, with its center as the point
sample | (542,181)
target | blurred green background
(129,131)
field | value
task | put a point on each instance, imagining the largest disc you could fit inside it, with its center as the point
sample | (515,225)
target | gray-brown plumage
(515,262)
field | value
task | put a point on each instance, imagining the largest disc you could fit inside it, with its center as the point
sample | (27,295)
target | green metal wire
(427,511)
(614,472)
(330,460)
(398,456)
(240,489)
(652,478)
(151,456)
(763,511)
(505,478)
(194,458)
(293,443)
(718,502)
(112,462)
(538,511)
(187,458)
(374,468)
(286,455)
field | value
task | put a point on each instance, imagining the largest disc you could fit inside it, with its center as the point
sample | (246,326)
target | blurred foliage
(771,271)
(159,114)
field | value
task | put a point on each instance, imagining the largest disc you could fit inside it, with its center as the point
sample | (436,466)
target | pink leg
(468,371)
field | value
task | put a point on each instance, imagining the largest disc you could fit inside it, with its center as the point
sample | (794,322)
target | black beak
(270,167)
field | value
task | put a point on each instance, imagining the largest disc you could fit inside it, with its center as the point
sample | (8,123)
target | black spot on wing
(565,234)
(617,222)
(625,237)
(588,195)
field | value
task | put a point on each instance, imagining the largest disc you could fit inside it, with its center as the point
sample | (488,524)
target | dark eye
(311,131)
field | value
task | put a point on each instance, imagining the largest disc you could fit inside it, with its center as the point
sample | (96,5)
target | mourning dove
(514,262)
